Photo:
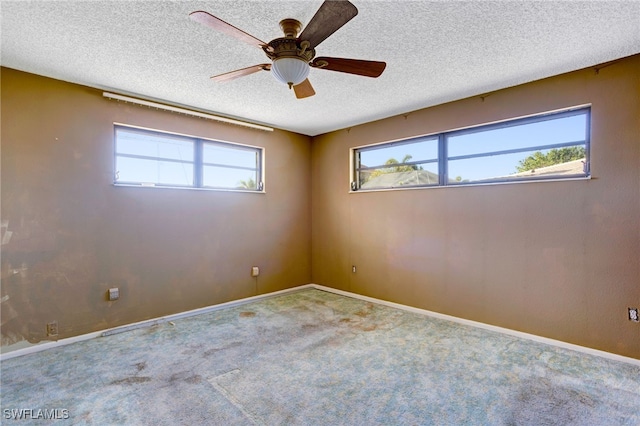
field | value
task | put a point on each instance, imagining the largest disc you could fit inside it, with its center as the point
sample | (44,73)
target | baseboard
(520,334)
(146,323)
(199,311)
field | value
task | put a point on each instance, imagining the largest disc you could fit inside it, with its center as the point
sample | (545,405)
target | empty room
(320,212)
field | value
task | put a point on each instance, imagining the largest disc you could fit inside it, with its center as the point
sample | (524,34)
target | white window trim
(193,137)
(588,176)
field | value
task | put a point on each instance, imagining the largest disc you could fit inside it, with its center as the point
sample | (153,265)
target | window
(405,163)
(549,146)
(151,158)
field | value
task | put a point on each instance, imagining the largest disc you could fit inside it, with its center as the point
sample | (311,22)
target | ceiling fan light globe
(291,71)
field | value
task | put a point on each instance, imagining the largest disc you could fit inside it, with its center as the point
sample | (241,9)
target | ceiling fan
(293,55)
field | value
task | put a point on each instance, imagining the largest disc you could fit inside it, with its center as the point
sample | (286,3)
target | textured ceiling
(436,51)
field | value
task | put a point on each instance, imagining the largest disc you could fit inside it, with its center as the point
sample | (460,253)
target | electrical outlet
(255,271)
(633,315)
(353,268)
(52,328)
(114,293)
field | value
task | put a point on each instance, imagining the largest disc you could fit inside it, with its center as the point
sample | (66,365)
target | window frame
(197,161)
(443,158)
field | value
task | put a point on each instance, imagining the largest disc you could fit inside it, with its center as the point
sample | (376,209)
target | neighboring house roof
(424,177)
(575,167)
(393,180)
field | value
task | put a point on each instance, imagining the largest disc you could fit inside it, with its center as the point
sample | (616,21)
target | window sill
(466,185)
(125,185)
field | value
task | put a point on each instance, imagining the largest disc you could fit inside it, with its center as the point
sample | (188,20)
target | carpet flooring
(316,358)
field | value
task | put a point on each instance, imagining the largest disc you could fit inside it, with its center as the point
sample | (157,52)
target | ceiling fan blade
(350,66)
(232,75)
(304,89)
(329,18)
(218,24)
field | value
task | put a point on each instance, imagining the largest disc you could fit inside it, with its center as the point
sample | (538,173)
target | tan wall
(75,234)
(556,259)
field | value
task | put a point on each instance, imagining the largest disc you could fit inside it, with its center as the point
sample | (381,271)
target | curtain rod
(185,111)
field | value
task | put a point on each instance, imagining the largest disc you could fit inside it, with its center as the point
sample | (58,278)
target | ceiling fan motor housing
(290,56)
